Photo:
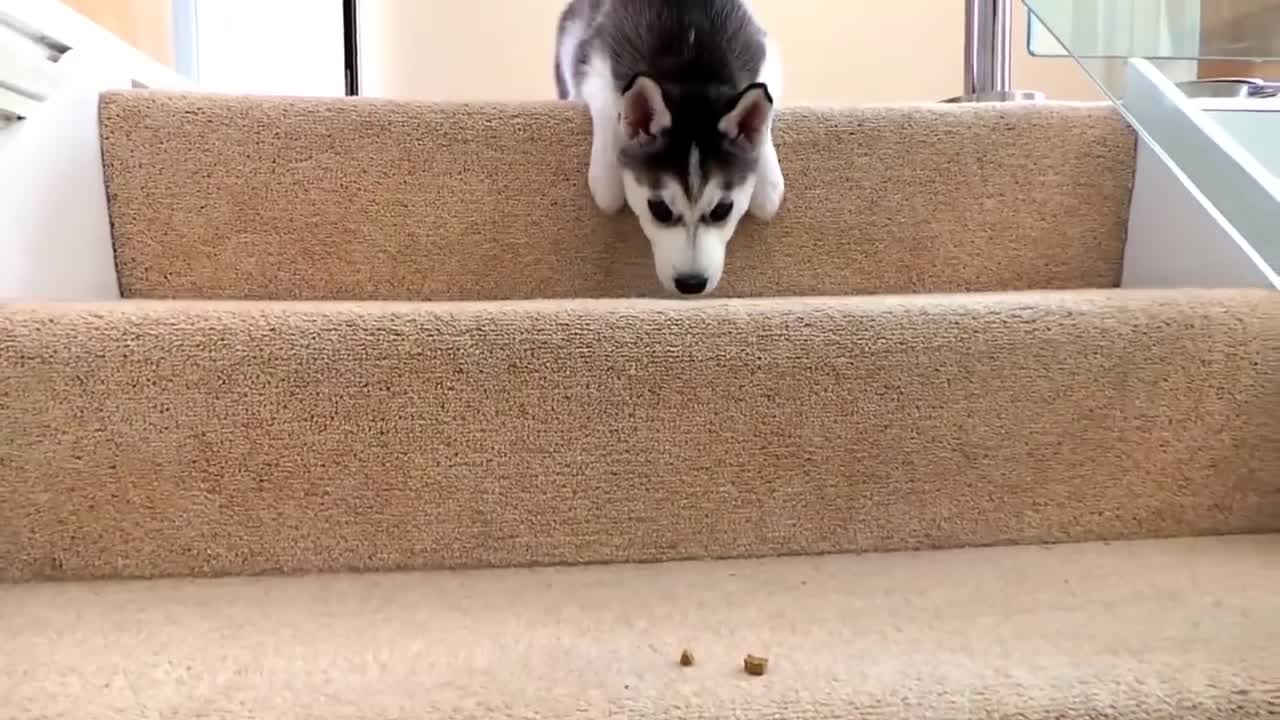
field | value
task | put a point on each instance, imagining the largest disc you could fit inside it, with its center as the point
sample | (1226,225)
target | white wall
(1256,125)
(288,47)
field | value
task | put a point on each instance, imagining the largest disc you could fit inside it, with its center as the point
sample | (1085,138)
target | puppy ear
(644,111)
(748,117)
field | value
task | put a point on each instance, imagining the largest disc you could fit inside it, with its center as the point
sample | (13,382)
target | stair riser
(226,197)
(171,439)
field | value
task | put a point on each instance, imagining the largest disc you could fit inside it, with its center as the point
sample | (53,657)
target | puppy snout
(690,283)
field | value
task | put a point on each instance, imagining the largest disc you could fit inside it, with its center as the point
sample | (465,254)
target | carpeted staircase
(389,422)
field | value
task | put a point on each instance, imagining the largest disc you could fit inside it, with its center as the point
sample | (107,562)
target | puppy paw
(766,199)
(606,188)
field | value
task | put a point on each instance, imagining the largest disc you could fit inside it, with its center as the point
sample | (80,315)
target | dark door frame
(351,45)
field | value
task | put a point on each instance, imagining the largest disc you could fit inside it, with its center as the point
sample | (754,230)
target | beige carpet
(249,198)
(159,438)
(1165,630)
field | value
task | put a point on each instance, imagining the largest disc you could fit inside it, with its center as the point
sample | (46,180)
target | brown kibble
(755,665)
(686,658)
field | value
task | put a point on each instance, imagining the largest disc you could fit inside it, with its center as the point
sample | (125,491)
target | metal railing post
(988,53)
(988,34)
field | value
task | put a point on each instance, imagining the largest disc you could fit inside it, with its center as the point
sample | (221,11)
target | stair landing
(1130,630)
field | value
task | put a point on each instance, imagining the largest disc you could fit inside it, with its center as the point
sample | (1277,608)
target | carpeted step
(154,438)
(219,196)
(1151,630)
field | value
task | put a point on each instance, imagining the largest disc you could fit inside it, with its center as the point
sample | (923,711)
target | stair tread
(1176,628)
(232,438)
(364,197)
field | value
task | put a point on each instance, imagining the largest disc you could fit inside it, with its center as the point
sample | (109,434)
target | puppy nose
(690,283)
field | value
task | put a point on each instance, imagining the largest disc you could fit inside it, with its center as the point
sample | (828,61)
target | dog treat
(755,665)
(686,658)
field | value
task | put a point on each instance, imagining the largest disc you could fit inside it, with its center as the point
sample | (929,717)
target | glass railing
(1162,29)
(1199,80)
(1192,42)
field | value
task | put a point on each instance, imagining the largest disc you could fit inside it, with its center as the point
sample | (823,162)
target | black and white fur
(682,96)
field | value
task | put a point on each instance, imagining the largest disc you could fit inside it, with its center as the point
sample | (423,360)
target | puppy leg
(770,187)
(604,177)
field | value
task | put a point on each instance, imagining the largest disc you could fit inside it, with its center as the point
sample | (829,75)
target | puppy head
(688,159)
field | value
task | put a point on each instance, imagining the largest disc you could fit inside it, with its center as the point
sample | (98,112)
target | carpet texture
(1156,630)
(149,438)
(217,196)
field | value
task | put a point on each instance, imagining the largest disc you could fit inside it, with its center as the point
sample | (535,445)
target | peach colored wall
(145,24)
(836,51)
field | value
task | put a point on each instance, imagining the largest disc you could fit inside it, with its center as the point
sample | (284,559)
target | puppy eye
(661,211)
(720,212)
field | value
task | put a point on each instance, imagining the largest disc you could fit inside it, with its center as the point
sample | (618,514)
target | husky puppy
(682,96)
